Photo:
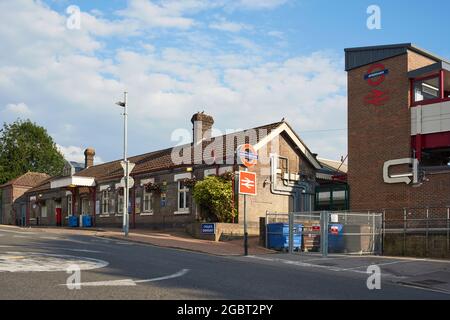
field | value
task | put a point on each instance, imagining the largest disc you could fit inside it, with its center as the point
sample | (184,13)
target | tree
(214,195)
(25,146)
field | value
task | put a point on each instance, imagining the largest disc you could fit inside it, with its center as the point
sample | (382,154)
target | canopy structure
(73,181)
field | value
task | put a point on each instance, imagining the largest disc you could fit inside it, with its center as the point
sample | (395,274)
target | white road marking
(51,238)
(330,268)
(127,282)
(24,237)
(124,243)
(42,262)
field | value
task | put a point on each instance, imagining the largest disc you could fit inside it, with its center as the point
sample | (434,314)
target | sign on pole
(247,155)
(130,182)
(124,166)
(247,183)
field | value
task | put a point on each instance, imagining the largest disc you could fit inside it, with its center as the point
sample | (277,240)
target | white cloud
(256,4)
(20,109)
(223,25)
(73,153)
(55,69)
(167,14)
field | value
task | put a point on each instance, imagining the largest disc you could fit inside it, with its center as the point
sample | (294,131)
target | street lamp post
(124,105)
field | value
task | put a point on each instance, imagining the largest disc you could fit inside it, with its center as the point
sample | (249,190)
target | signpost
(127,182)
(247,181)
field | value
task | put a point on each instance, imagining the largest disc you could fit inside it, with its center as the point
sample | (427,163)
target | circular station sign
(247,155)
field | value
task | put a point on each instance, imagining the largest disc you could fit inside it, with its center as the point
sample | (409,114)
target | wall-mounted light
(189,169)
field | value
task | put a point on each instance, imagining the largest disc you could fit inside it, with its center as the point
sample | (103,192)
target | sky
(245,62)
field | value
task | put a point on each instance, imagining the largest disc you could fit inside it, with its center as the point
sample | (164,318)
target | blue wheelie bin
(73,221)
(278,236)
(87,221)
(335,238)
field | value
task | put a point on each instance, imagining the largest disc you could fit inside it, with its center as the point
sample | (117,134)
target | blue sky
(245,62)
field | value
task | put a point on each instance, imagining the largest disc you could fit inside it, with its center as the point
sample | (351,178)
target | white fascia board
(293,136)
(73,181)
(182,176)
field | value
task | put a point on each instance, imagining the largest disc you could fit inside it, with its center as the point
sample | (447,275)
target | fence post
(291,232)
(267,222)
(373,233)
(427,233)
(324,233)
(383,232)
(448,230)
(404,231)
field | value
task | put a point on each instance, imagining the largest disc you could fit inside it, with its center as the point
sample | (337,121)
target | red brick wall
(381,133)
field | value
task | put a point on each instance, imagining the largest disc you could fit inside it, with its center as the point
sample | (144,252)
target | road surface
(34,265)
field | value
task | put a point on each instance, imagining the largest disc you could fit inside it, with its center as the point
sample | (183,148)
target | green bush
(215,197)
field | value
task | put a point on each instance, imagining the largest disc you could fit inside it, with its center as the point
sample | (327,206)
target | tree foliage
(25,146)
(215,196)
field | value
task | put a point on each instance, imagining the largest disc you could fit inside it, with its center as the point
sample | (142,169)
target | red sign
(375,76)
(247,183)
(334,230)
(247,155)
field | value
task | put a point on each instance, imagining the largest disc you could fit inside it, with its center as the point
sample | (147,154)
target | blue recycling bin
(73,221)
(278,236)
(87,221)
(336,238)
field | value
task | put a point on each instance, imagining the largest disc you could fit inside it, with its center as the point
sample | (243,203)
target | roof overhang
(362,56)
(429,70)
(73,181)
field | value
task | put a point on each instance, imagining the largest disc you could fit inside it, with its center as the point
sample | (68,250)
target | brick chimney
(202,126)
(89,155)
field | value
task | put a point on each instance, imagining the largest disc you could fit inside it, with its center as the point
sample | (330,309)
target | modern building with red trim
(398,127)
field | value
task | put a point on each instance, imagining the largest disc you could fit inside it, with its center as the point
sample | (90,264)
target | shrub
(214,195)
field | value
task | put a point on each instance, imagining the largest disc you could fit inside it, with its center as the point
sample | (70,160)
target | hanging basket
(190,182)
(152,187)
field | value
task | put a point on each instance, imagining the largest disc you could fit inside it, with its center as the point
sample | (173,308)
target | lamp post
(124,105)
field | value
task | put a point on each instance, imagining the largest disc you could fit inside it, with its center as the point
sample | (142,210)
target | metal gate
(325,232)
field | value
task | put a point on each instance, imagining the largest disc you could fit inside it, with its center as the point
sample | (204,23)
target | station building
(161,196)
(398,128)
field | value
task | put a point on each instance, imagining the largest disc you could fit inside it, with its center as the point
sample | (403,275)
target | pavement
(43,264)
(170,239)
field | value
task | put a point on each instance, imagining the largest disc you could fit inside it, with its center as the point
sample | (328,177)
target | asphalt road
(33,265)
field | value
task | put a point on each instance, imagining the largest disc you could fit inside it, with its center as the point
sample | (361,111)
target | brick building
(11,191)
(398,127)
(162,194)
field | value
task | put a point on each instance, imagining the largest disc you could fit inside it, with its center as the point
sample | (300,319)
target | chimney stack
(202,126)
(89,155)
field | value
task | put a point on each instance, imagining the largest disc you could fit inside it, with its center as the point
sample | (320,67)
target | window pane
(188,199)
(427,89)
(181,200)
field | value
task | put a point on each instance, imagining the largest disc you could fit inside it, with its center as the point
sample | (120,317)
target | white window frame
(104,202)
(149,209)
(185,190)
(69,205)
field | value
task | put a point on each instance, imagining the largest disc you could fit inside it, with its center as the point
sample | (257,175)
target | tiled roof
(29,179)
(162,160)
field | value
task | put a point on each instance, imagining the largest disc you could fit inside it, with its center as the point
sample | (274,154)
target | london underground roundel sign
(247,155)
